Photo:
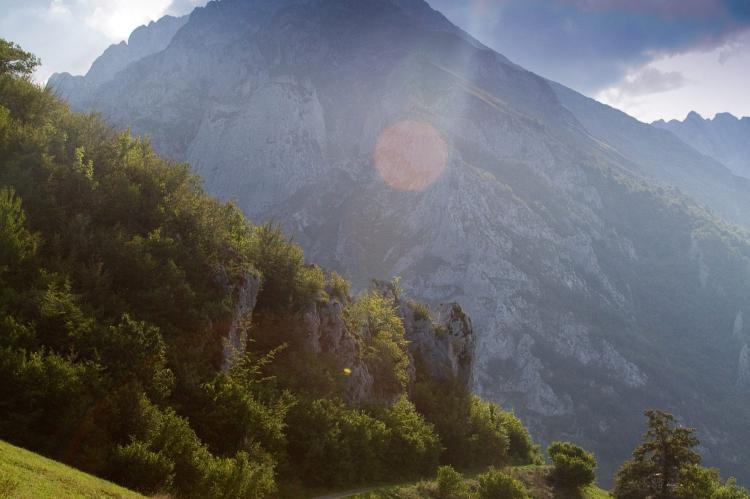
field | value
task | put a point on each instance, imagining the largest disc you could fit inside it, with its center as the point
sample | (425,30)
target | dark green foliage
(655,468)
(473,432)
(495,484)
(573,466)
(287,283)
(666,466)
(330,444)
(136,466)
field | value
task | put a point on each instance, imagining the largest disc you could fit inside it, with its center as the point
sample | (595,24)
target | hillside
(595,255)
(25,475)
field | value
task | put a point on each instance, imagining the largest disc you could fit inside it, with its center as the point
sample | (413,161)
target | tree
(657,464)
(16,242)
(15,61)
(574,467)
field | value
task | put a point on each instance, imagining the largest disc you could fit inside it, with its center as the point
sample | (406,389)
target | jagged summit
(388,142)
(725,138)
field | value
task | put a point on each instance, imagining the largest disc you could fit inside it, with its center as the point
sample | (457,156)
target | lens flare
(410,155)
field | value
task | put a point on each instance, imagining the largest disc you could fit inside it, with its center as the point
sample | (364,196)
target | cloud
(592,44)
(69,34)
(650,80)
(668,87)
(646,81)
(116,19)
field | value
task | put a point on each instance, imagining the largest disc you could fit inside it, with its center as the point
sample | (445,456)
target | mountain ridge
(725,137)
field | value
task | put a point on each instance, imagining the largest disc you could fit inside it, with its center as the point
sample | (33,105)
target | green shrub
(497,485)
(241,477)
(337,287)
(450,484)
(137,467)
(573,466)
(420,311)
(373,317)
(332,445)
(413,447)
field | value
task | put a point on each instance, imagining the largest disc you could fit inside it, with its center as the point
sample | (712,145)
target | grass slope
(24,474)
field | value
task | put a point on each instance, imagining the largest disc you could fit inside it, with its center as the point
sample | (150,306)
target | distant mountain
(144,41)
(725,138)
(592,251)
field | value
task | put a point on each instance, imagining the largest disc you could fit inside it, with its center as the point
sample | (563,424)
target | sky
(651,58)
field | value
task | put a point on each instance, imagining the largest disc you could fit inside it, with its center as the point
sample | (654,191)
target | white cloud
(669,87)
(116,19)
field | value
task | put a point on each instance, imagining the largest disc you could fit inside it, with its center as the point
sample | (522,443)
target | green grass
(25,475)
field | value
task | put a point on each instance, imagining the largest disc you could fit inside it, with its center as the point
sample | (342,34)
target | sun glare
(410,155)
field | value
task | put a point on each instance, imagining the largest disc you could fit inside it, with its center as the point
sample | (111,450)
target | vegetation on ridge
(118,282)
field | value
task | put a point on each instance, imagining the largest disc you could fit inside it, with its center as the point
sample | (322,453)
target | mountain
(725,138)
(590,250)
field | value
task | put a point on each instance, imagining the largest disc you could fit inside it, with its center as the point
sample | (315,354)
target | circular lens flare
(410,155)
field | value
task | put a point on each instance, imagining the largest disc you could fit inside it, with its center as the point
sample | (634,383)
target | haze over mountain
(575,236)
(725,138)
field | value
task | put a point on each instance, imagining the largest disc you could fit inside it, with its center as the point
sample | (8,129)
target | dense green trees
(118,280)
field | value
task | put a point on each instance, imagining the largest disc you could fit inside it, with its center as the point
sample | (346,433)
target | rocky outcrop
(326,332)
(441,339)
(246,296)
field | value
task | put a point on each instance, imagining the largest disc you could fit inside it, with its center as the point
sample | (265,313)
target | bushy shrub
(286,282)
(573,466)
(420,311)
(241,477)
(413,446)
(450,484)
(495,484)
(332,445)
(137,467)
(337,287)
(373,317)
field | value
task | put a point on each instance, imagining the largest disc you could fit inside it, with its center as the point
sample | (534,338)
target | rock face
(246,298)
(567,230)
(441,338)
(725,138)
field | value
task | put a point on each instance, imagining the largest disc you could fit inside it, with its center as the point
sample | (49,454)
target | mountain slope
(595,293)
(725,138)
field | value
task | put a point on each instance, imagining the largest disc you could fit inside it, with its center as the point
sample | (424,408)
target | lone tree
(655,470)
(573,466)
(15,61)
